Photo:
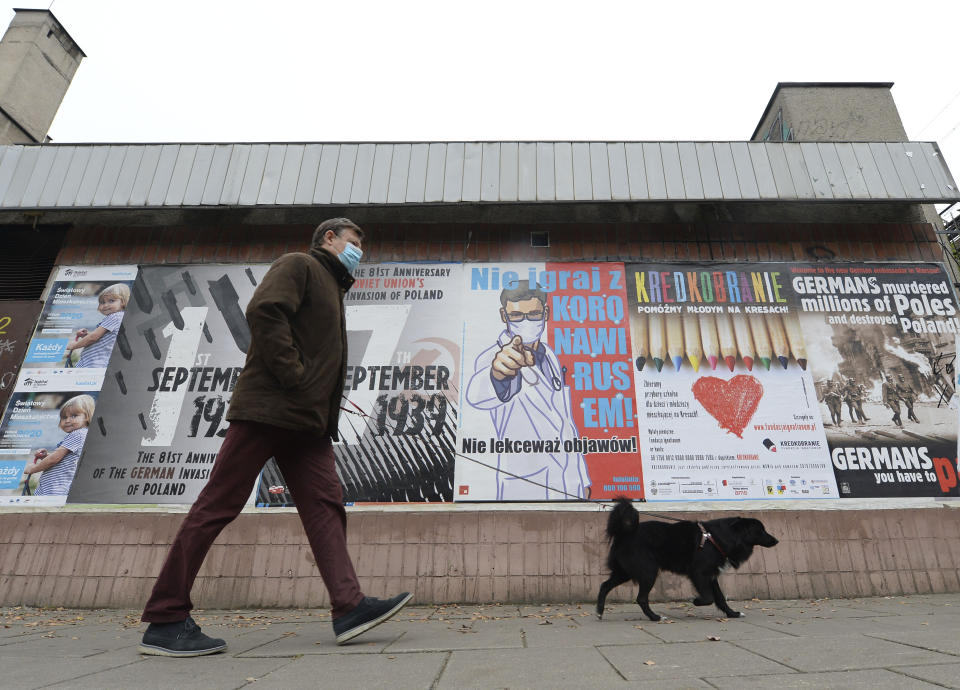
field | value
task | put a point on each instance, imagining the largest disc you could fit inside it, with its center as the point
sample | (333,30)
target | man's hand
(511,358)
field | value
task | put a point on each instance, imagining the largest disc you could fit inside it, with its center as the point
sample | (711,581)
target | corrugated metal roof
(102,176)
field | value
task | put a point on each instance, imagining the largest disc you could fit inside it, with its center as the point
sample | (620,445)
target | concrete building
(828,178)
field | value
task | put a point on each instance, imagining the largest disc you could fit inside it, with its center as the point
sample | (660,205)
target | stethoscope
(532,377)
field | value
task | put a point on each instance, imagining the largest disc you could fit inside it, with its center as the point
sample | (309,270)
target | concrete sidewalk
(892,642)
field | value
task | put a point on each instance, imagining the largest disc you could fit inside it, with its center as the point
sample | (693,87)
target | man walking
(286,405)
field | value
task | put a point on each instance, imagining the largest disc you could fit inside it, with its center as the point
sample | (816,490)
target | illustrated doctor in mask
(522,384)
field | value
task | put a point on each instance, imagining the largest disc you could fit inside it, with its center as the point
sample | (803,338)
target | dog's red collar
(705,536)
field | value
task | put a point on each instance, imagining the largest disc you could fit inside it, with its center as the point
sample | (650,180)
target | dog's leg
(702,583)
(721,602)
(616,578)
(646,583)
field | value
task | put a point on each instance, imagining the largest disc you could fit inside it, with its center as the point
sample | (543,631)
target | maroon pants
(307,464)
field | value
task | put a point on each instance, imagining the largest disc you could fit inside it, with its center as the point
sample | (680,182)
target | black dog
(640,550)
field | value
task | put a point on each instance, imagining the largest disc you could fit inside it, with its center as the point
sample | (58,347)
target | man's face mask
(529,331)
(350,257)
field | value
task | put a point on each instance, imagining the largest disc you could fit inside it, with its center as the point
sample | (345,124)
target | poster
(541,382)
(17,319)
(34,426)
(399,414)
(744,373)
(55,398)
(881,339)
(161,417)
(81,321)
(726,414)
(547,407)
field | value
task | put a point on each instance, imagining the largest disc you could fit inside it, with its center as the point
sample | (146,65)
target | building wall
(498,242)
(110,559)
(446,554)
(821,112)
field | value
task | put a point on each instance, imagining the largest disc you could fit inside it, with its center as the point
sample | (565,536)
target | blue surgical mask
(350,257)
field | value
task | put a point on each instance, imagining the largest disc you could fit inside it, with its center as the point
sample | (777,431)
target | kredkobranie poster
(33,427)
(161,415)
(727,410)
(547,406)
(399,416)
(743,369)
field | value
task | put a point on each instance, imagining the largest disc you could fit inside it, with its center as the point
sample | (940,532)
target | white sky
(206,71)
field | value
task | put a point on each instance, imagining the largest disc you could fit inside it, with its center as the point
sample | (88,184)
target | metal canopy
(114,176)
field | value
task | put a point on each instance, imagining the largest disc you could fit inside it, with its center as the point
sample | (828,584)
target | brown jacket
(297,362)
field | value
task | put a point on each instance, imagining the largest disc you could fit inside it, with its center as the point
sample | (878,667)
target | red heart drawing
(732,403)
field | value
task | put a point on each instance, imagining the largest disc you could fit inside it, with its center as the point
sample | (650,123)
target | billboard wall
(525,382)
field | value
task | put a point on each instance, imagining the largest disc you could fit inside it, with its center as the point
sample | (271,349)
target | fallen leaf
(638,627)
(649,663)
(251,680)
(391,657)
(544,622)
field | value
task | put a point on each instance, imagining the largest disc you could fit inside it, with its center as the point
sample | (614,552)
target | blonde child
(98,344)
(59,466)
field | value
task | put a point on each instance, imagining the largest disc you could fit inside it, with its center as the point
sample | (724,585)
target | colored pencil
(640,336)
(741,331)
(658,340)
(791,324)
(710,339)
(761,339)
(778,339)
(691,340)
(728,342)
(675,341)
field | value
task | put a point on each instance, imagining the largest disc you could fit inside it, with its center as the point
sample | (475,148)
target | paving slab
(692,630)
(431,636)
(884,642)
(686,660)
(934,640)
(75,643)
(36,672)
(590,632)
(917,604)
(822,626)
(352,671)
(874,679)
(155,673)
(294,644)
(529,668)
(945,675)
(842,653)
(931,621)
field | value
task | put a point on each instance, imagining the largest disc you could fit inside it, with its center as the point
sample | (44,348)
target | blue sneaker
(368,613)
(182,638)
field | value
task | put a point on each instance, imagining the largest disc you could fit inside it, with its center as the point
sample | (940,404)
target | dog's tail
(623,519)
